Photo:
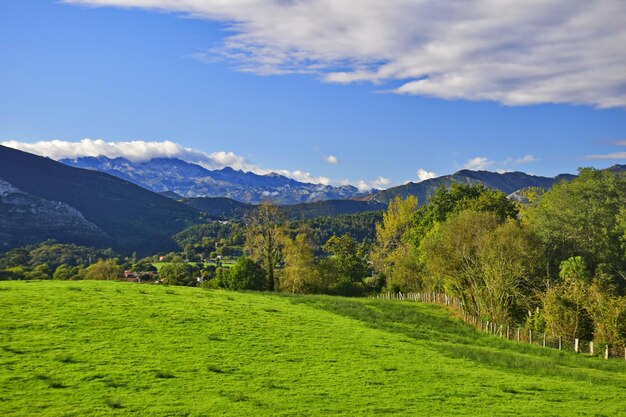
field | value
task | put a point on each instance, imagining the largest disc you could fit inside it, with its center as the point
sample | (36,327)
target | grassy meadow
(109,348)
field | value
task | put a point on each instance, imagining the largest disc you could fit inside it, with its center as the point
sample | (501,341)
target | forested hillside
(130,217)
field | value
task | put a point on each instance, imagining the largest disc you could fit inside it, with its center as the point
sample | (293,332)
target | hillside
(192,180)
(106,348)
(25,219)
(507,182)
(132,218)
(234,210)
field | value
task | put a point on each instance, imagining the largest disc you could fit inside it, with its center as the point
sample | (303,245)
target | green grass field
(106,348)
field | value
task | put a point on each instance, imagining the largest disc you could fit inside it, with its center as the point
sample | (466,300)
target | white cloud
(614,155)
(478,163)
(379,183)
(332,159)
(526,159)
(517,53)
(303,176)
(140,151)
(423,175)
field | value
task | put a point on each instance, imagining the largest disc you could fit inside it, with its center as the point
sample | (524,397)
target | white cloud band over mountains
(509,51)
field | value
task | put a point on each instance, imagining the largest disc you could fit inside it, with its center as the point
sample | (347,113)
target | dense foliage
(557,264)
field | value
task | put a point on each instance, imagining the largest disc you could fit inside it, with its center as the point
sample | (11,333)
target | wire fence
(520,334)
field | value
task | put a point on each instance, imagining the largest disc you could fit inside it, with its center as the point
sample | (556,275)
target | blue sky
(279,99)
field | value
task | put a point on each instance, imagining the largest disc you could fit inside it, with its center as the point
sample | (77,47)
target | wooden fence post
(591,348)
(576,345)
(518,339)
(530,336)
(560,343)
(508,333)
(606,352)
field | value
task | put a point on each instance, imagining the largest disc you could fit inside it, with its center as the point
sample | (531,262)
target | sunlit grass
(89,348)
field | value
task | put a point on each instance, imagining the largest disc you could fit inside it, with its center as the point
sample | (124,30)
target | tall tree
(300,273)
(265,239)
(393,254)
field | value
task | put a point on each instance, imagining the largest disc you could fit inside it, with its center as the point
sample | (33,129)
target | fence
(512,333)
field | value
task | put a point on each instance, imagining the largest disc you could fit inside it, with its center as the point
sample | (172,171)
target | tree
(348,257)
(41,271)
(65,272)
(300,273)
(177,272)
(451,254)
(265,238)
(608,313)
(511,271)
(393,254)
(495,268)
(15,257)
(103,269)
(565,304)
(246,275)
(461,197)
(583,218)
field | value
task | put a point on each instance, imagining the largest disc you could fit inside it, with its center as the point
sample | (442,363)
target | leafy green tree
(65,272)
(393,254)
(265,239)
(104,269)
(494,267)
(348,257)
(177,272)
(300,274)
(15,257)
(451,253)
(608,313)
(15,273)
(246,275)
(583,217)
(39,272)
(565,304)
(461,197)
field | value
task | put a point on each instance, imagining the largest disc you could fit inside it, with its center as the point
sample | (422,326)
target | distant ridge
(129,217)
(507,182)
(234,210)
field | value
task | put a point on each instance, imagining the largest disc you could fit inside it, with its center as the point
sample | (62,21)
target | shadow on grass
(456,339)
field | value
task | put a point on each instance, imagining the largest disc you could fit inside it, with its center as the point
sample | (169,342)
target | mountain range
(181,180)
(42,199)
(191,180)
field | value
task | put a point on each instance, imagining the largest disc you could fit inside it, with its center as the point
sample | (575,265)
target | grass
(226,263)
(125,349)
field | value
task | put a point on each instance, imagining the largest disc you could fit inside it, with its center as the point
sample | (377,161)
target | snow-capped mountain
(191,180)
